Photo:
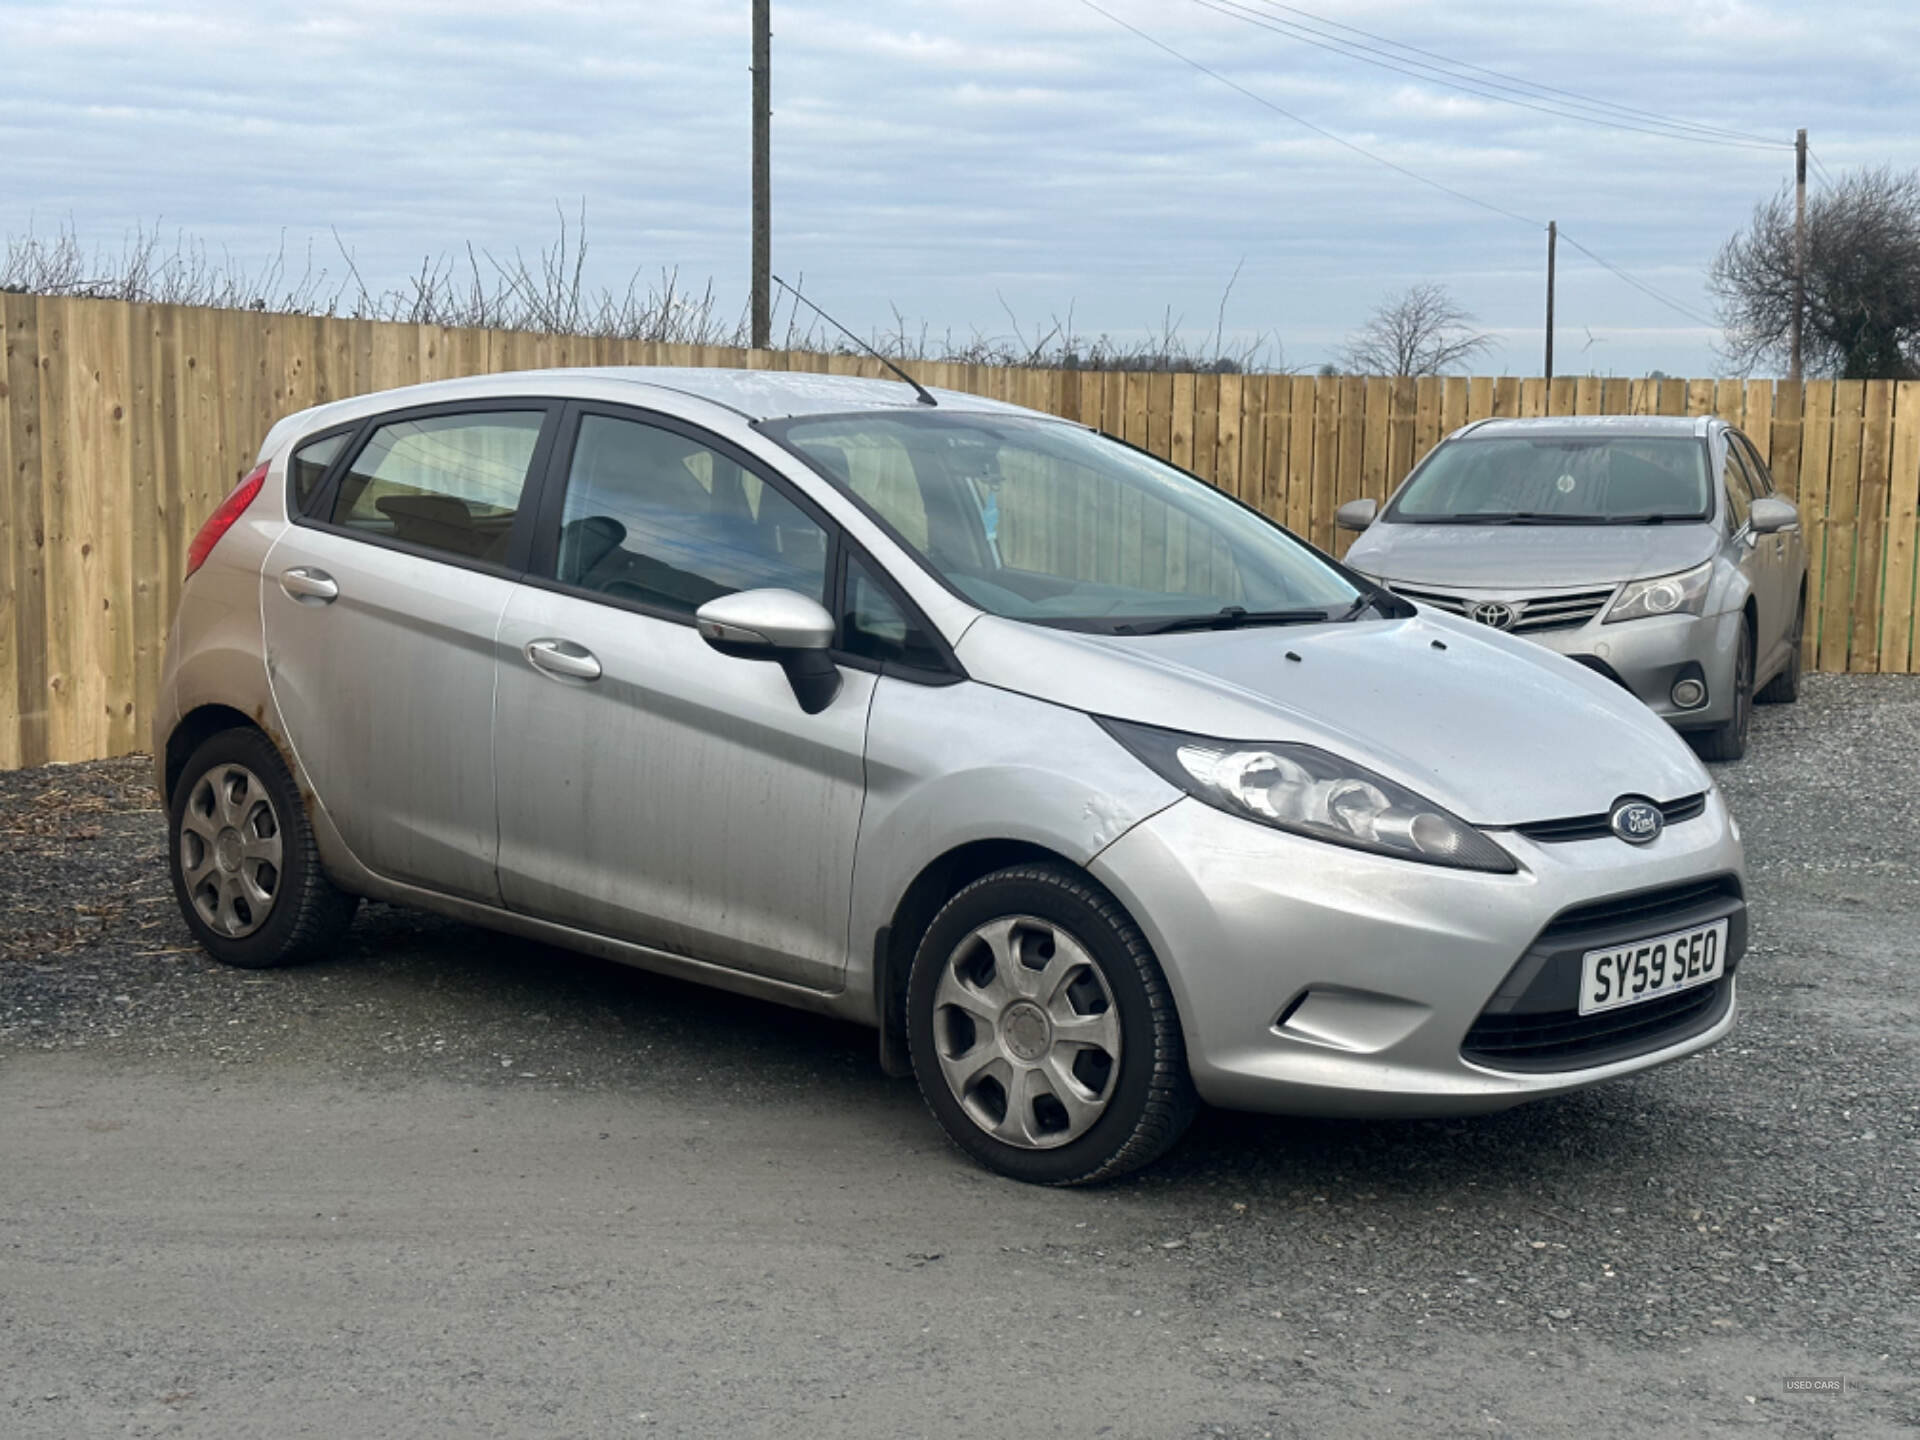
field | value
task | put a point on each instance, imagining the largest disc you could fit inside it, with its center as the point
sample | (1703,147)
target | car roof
(751,394)
(1591,425)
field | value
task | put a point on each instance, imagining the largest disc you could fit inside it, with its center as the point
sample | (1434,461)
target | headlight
(1310,792)
(1682,594)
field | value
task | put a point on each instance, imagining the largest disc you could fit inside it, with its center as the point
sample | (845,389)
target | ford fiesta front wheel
(1042,1030)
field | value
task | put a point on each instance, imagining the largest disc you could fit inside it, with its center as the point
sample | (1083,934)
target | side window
(1756,467)
(654,517)
(447,482)
(309,463)
(873,625)
(1739,488)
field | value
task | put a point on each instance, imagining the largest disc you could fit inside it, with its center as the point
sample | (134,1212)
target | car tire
(1728,741)
(241,852)
(1042,1031)
(1784,688)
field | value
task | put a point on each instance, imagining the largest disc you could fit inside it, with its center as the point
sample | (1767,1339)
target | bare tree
(1420,331)
(1863,280)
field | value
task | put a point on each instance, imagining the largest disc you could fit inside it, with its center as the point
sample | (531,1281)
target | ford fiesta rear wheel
(244,865)
(1042,1030)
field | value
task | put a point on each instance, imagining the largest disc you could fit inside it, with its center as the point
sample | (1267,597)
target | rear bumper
(1313,979)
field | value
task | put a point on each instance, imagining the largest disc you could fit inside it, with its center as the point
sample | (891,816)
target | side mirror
(1356,514)
(1770,515)
(779,625)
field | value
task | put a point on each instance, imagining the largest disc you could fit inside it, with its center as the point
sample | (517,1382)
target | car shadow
(613,1024)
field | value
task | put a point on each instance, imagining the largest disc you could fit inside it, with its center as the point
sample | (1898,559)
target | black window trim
(1759,467)
(1738,461)
(519,538)
(543,556)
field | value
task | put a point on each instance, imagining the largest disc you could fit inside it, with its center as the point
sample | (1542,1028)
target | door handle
(563,658)
(303,582)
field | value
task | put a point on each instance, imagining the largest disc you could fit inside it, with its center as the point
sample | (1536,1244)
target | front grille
(1645,910)
(1564,610)
(1533,1021)
(1598,827)
(1569,1040)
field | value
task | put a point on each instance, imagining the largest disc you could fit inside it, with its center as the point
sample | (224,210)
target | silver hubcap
(1026,1032)
(230,850)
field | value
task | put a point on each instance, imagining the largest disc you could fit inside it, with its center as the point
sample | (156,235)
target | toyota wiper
(1525,517)
(1230,617)
(1647,519)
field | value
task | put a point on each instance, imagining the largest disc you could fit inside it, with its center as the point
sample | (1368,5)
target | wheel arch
(195,729)
(897,941)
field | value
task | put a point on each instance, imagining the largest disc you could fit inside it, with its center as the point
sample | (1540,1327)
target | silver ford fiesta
(1095,792)
(1650,549)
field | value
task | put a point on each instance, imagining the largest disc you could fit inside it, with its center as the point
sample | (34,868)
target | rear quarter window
(309,465)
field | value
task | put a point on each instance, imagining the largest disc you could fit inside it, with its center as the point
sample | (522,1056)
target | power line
(1302,121)
(1820,168)
(1348,48)
(1589,101)
(1640,285)
(1444,189)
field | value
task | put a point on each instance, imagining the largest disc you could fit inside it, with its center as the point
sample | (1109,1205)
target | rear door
(651,788)
(381,605)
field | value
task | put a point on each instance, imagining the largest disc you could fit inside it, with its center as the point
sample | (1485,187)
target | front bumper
(1649,656)
(1313,979)
(1645,656)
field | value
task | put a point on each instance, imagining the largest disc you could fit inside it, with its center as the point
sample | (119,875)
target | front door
(651,788)
(1779,558)
(1754,555)
(381,609)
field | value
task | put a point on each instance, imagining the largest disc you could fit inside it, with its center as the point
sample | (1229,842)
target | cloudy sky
(962,159)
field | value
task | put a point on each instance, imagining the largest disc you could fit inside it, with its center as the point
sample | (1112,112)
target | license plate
(1648,969)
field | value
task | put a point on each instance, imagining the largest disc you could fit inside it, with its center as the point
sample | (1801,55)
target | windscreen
(1048,522)
(1558,479)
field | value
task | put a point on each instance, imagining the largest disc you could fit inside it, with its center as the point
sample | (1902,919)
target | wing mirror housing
(1770,515)
(1356,514)
(783,626)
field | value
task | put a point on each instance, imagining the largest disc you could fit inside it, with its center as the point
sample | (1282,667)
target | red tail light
(222,519)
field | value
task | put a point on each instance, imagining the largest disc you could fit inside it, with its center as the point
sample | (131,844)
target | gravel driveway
(452,1183)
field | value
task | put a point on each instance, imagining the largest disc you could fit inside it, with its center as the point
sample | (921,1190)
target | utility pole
(1799,248)
(1553,236)
(762,177)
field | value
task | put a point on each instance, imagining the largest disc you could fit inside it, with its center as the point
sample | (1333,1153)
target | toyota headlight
(1310,792)
(1682,594)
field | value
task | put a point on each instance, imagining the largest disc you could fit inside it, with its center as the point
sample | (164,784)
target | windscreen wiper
(1647,519)
(1525,517)
(1230,617)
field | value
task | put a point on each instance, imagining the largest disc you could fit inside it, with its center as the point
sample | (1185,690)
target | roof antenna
(926,395)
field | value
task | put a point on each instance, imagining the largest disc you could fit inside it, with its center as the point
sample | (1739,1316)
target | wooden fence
(121,426)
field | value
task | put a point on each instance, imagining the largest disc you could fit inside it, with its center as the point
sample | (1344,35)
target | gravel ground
(452,1182)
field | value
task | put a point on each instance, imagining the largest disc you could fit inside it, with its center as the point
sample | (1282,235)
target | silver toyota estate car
(1095,791)
(1650,549)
